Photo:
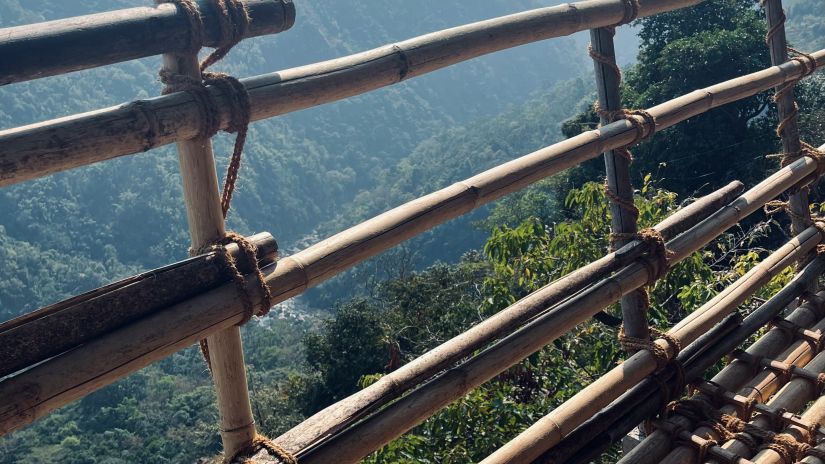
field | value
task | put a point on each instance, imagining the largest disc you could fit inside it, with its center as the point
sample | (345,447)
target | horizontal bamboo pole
(36,336)
(551,429)
(43,148)
(733,376)
(356,442)
(643,401)
(792,397)
(56,47)
(760,388)
(654,447)
(813,415)
(335,417)
(70,376)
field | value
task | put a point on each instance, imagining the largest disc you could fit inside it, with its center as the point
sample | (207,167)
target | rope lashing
(645,125)
(649,344)
(228,262)
(259,443)
(809,66)
(727,427)
(233,20)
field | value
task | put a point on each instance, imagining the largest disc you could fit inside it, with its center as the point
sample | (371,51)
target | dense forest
(309,174)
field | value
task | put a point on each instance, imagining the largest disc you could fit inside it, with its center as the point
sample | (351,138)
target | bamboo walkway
(764,406)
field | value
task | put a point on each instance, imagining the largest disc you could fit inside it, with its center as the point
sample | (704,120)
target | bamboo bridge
(764,406)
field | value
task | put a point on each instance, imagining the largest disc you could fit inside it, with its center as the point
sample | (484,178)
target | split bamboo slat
(645,400)
(734,375)
(191,321)
(206,227)
(617,172)
(84,139)
(551,429)
(786,109)
(57,47)
(32,338)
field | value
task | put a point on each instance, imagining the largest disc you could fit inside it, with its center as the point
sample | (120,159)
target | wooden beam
(206,227)
(104,134)
(65,45)
(49,331)
(644,401)
(43,148)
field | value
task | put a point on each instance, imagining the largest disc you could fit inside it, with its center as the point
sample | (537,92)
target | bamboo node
(145,110)
(259,443)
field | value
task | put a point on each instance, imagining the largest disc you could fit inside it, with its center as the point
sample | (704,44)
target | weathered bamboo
(658,444)
(71,375)
(761,387)
(551,429)
(644,400)
(786,109)
(39,149)
(356,442)
(391,386)
(36,336)
(57,47)
(813,415)
(617,173)
(792,397)
(206,226)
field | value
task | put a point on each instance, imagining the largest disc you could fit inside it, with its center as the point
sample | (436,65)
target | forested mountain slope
(115,218)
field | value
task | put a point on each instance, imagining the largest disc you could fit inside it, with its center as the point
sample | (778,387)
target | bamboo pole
(793,397)
(657,445)
(32,338)
(761,387)
(206,226)
(813,415)
(786,109)
(32,151)
(71,375)
(334,418)
(551,429)
(372,433)
(57,47)
(734,376)
(643,401)
(617,172)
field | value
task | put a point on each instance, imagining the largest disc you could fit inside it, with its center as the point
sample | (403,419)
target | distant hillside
(300,170)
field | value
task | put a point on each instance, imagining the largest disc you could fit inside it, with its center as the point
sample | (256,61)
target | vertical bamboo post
(206,225)
(617,168)
(786,108)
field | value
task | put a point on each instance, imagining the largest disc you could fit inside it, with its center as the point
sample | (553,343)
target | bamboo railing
(66,45)
(356,426)
(29,151)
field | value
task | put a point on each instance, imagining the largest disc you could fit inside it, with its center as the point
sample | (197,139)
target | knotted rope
(727,427)
(649,344)
(233,20)
(259,443)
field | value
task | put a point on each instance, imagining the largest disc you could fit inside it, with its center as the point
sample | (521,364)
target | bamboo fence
(57,47)
(123,341)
